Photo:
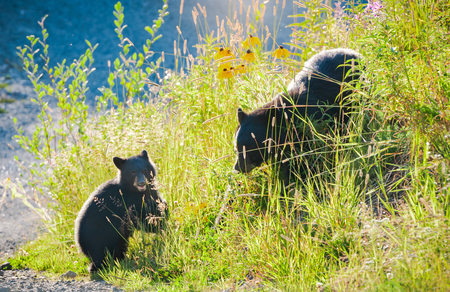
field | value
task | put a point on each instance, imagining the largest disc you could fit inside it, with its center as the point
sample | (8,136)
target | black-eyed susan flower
(241,68)
(251,41)
(222,66)
(249,56)
(281,53)
(223,52)
(225,73)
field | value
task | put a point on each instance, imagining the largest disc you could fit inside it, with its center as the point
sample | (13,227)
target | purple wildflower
(373,8)
(338,10)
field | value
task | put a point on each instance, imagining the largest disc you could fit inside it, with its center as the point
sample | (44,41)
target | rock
(1,273)
(6,266)
(5,289)
(69,274)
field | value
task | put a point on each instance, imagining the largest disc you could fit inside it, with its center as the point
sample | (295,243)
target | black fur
(316,93)
(107,218)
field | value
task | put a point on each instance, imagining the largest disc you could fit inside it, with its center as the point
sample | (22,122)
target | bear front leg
(94,267)
(119,253)
(97,259)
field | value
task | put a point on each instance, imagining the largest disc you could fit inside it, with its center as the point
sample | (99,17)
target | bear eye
(133,172)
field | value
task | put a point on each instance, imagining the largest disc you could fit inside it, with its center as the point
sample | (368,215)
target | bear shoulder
(108,188)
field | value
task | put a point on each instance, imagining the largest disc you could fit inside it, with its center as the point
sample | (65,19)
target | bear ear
(144,154)
(241,115)
(119,162)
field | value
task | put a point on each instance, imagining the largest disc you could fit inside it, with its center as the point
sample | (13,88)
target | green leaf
(126,49)
(157,38)
(158,23)
(149,29)
(111,79)
(88,43)
(117,64)
(118,6)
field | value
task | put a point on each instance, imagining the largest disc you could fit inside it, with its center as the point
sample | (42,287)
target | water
(70,23)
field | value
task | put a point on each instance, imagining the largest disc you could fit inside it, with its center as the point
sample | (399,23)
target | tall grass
(373,216)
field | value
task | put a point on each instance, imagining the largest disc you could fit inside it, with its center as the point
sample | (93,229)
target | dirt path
(17,222)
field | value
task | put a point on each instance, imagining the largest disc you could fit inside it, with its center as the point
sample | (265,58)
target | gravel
(29,280)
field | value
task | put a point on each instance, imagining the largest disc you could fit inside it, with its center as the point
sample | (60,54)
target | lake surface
(70,23)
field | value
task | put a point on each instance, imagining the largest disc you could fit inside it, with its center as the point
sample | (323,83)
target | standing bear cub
(108,216)
(278,129)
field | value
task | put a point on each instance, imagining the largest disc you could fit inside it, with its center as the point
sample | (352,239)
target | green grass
(375,218)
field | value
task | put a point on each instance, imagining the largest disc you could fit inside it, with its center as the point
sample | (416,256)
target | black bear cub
(316,93)
(108,216)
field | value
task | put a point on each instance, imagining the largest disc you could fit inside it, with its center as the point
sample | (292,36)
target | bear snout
(141,186)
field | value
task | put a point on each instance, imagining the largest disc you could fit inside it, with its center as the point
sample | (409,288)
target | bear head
(136,172)
(253,139)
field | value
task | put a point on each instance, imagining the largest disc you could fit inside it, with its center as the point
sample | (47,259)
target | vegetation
(373,215)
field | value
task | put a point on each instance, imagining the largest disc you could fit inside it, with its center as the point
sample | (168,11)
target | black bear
(316,93)
(107,218)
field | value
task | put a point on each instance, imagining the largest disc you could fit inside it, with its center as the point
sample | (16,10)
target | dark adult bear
(107,218)
(317,94)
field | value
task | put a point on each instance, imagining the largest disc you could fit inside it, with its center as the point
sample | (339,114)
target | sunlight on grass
(371,212)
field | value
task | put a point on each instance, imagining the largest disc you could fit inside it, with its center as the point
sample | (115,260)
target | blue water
(71,22)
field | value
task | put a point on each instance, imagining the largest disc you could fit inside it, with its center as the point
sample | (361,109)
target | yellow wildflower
(222,66)
(249,56)
(225,73)
(281,53)
(251,41)
(223,52)
(241,68)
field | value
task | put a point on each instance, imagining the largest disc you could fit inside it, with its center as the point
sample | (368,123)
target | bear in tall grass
(108,217)
(278,130)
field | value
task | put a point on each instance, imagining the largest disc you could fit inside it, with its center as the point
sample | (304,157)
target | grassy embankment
(374,214)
